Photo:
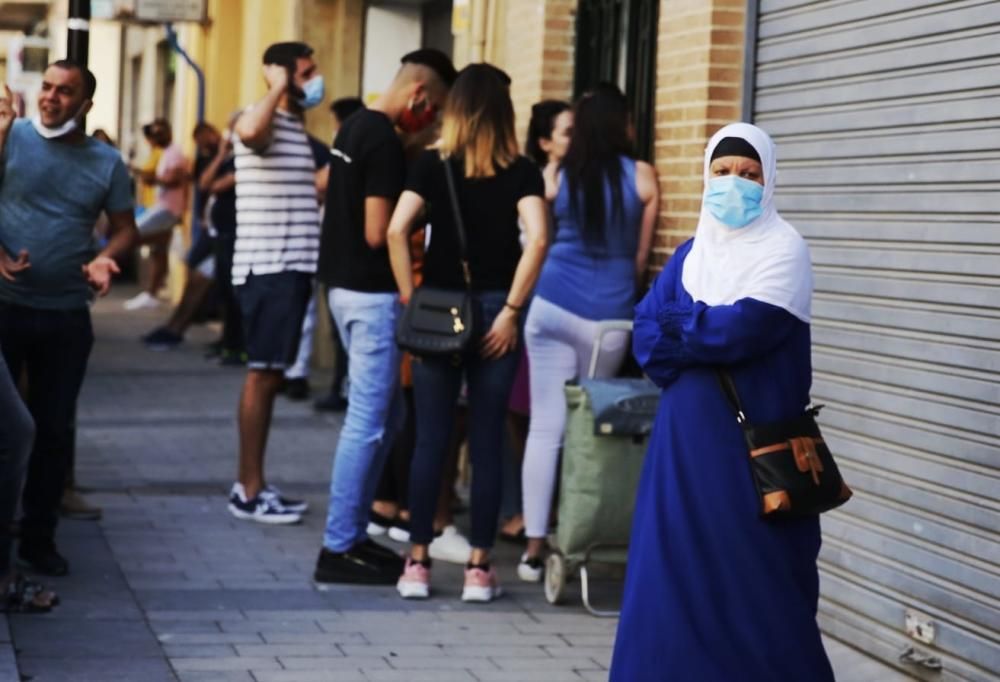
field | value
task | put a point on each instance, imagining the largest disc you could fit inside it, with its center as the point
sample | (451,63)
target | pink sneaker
(415,583)
(480,585)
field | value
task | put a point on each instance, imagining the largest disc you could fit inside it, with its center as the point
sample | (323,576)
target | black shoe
(213,350)
(162,339)
(297,389)
(233,358)
(381,554)
(41,557)
(331,402)
(355,566)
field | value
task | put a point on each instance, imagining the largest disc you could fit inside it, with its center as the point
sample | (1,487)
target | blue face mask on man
(312,92)
(734,201)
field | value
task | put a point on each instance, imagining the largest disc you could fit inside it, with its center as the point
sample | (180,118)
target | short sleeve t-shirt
(489,213)
(367,161)
(171,198)
(51,194)
(277,213)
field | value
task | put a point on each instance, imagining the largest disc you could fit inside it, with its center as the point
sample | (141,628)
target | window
(616,42)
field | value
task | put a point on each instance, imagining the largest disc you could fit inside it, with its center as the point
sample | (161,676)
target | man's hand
(98,273)
(276,77)
(7,113)
(9,267)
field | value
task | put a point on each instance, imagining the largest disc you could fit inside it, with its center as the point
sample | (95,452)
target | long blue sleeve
(725,334)
(655,351)
(673,332)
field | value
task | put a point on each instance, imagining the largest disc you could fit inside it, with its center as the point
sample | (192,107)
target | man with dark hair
(54,183)
(366,178)
(274,260)
(343,108)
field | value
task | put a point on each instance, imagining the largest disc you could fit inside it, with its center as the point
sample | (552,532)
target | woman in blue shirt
(605,208)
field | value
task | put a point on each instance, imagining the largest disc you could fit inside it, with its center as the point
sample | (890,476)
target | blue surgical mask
(313,92)
(734,201)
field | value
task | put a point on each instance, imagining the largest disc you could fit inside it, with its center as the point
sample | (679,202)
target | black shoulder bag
(439,321)
(792,467)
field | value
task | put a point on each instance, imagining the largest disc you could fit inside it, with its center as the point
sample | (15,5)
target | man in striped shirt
(277,243)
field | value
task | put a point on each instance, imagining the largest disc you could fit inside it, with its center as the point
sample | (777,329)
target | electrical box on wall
(919,626)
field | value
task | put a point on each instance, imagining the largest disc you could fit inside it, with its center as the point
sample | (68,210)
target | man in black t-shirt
(366,177)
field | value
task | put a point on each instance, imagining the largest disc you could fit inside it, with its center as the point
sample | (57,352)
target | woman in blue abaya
(714,593)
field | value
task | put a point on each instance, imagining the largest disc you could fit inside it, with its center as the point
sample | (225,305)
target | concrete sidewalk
(170,587)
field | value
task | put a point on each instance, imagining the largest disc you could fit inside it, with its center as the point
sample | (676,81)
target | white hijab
(767,260)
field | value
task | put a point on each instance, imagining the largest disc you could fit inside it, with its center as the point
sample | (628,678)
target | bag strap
(456,211)
(732,395)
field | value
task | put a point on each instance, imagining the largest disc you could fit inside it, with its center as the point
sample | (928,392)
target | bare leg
(194,293)
(158,262)
(256,407)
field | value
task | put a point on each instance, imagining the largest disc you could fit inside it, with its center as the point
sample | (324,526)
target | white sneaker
(399,534)
(142,300)
(375,529)
(451,546)
(530,569)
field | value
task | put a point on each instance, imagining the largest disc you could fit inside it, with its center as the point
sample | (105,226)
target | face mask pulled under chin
(52,133)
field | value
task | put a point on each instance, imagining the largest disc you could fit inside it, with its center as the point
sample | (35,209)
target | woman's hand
(502,336)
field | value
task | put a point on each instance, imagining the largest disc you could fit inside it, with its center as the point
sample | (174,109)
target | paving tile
(329,650)
(332,663)
(87,669)
(429,675)
(225,663)
(214,676)
(309,676)
(199,650)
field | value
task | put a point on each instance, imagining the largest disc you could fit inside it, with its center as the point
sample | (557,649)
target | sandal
(27,596)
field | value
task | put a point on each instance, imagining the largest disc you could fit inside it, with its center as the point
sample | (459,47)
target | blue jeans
(367,326)
(436,384)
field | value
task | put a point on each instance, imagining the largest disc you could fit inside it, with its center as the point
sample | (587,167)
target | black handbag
(792,467)
(439,321)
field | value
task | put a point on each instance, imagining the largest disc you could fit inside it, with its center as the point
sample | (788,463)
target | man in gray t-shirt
(54,184)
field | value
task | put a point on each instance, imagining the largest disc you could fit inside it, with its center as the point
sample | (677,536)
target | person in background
(549,133)
(605,211)
(17,432)
(297,376)
(54,183)
(496,186)
(218,183)
(366,177)
(157,223)
(274,259)
(334,400)
(712,590)
(200,265)
(548,139)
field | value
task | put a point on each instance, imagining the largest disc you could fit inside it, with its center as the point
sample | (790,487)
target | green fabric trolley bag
(608,423)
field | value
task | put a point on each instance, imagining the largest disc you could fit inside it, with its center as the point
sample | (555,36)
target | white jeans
(559,349)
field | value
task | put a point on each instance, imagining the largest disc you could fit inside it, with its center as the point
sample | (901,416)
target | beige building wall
(698,90)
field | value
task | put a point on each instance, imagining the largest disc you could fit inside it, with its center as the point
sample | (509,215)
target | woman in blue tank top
(605,208)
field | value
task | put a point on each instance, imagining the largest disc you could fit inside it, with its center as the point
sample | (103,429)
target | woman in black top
(496,186)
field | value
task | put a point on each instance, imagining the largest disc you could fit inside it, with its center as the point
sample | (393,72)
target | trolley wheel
(555,578)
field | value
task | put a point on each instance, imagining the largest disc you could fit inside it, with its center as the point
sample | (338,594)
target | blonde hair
(478,122)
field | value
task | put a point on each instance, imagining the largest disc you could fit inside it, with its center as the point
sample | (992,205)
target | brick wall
(698,90)
(537,52)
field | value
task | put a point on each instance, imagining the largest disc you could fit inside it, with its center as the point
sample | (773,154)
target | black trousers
(232,318)
(52,347)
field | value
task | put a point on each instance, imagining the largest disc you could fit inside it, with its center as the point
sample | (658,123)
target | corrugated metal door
(887,119)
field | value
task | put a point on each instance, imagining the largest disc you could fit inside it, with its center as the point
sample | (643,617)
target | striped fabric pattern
(277,214)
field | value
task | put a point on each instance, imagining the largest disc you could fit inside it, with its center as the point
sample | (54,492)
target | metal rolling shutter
(887,119)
